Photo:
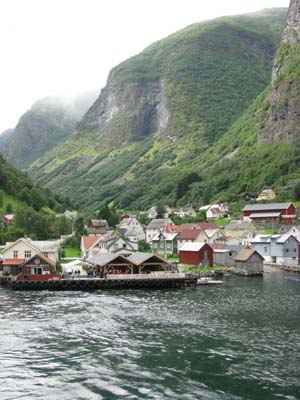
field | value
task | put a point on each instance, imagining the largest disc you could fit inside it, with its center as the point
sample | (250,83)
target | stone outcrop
(283,119)
(128,112)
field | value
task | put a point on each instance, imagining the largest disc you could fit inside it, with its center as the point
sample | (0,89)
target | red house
(196,253)
(280,213)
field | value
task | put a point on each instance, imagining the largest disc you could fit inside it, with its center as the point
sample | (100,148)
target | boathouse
(249,262)
(120,264)
(196,253)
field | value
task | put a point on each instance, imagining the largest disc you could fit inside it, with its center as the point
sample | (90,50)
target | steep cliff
(162,110)
(48,123)
(283,121)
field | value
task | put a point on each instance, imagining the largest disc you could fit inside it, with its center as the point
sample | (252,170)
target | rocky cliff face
(128,112)
(283,120)
(48,123)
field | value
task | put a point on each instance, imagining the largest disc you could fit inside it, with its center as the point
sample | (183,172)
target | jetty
(125,282)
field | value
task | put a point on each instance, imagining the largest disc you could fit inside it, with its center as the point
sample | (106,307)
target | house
(132,229)
(215,211)
(279,249)
(26,248)
(266,195)
(155,227)
(38,268)
(209,236)
(8,219)
(224,257)
(196,254)
(272,213)
(138,263)
(185,212)
(165,243)
(242,230)
(249,262)
(111,242)
(11,266)
(97,226)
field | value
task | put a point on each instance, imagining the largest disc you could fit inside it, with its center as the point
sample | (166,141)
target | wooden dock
(171,281)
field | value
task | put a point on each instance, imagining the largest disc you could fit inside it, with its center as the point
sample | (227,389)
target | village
(266,234)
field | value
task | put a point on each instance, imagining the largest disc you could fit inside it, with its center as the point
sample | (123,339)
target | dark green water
(240,341)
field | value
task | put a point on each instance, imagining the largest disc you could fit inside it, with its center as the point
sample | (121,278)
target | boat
(208,282)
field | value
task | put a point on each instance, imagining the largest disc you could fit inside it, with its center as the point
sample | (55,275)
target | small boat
(208,282)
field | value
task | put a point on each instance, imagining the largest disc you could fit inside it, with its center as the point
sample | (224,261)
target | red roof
(89,241)
(13,261)
(189,234)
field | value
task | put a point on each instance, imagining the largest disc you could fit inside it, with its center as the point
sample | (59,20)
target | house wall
(150,234)
(253,266)
(203,257)
(225,259)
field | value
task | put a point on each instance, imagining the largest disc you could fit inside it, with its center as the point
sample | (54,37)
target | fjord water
(239,341)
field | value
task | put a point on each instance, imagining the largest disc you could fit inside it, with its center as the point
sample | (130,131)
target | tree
(144,247)
(79,227)
(297,191)
(109,214)
(1,198)
(9,209)
(161,211)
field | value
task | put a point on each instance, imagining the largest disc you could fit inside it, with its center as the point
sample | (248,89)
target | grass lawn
(192,269)
(72,252)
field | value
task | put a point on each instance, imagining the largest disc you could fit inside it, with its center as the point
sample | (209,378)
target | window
(27,254)
(38,271)
(45,254)
(15,253)
(265,249)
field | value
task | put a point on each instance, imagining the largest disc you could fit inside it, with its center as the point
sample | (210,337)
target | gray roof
(245,254)
(139,258)
(158,223)
(266,207)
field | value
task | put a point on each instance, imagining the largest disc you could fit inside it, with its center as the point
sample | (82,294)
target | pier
(169,281)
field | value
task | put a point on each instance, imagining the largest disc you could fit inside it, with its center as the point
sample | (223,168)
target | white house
(111,242)
(26,248)
(215,211)
(155,227)
(132,229)
(279,249)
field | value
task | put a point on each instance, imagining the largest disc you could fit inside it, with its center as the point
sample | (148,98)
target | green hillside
(170,113)
(34,208)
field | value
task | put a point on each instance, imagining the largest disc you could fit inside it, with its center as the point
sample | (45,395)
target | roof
(266,207)
(245,254)
(166,235)
(104,259)
(194,246)
(189,234)
(46,245)
(294,232)
(43,258)
(140,258)
(89,241)
(13,261)
(99,223)
(265,215)
(158,223)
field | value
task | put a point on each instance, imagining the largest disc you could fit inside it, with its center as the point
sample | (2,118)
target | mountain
(49,122)
(283,122)
(163,112)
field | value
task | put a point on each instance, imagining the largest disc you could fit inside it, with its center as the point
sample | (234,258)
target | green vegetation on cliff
(177,109)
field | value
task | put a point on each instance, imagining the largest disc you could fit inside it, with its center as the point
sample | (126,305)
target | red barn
(281,213)
(196,253)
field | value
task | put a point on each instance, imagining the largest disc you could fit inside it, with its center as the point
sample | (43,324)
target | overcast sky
(62,47)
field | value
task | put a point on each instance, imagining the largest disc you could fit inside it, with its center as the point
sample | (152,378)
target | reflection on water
(239,341)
